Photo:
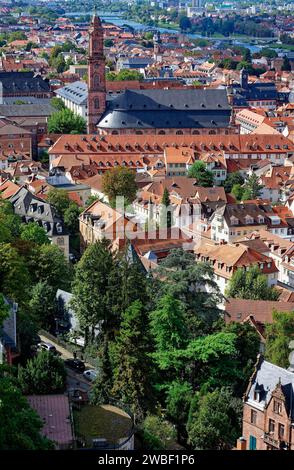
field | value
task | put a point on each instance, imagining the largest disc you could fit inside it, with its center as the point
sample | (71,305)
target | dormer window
(59,227)
(248,219)
(234,220)
(260,219)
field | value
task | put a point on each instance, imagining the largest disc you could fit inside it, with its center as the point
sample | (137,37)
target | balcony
(278,444)
(268,439)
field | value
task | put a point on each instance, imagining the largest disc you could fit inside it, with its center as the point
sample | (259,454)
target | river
(114,18)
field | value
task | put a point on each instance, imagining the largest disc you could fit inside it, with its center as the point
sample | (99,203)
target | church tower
(96,75)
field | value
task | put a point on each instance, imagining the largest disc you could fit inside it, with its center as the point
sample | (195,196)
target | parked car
(75,364)
(47,347)
(90,374)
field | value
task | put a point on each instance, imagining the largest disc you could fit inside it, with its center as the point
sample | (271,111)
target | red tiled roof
(54,410)
(238,309)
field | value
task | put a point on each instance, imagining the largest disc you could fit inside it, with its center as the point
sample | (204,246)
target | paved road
(74,379)
(65,354)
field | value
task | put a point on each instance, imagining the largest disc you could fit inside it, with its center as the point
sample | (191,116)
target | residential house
(34,209)
(256,312)
(234,147)
(227,258)
(230,222)
(99,221)
(14,139)
(268,409)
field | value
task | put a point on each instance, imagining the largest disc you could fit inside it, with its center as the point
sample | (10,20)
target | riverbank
(252,43)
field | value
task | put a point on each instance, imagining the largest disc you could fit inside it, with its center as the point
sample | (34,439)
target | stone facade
(96,75)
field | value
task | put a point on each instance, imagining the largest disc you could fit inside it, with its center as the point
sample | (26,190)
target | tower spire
(96,74)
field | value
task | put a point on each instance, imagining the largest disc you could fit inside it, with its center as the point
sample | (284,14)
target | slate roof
(167,109)
(256,211)
(77,92)
(254,91)
(266,379)
(23,82)
(43,213)
(27,110)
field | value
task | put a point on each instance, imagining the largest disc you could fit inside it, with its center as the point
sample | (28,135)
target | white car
(90,374)
(47,347)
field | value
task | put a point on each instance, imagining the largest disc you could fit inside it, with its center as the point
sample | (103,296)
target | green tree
(14,274)
(238,191)
(59,199)
(9,222)
(92,198)
(268,53)
(34,233)
(279,334)
(101,390)
(178,400)
(252,188)
(71,218)
(108,43)
(166,211)
(286,64)
(20,424)
(128,279)
(247,55)
(133,368)
(42,375)
(47,263)
(247,345)
(124,75)
(42,305)
(119,181)
(203,176)
(184,23)
(189,282)
(4,310)
(66,122)
(216,422)
(231,180)
(157,433)
(168,328)
(91,287)
(250,284)
(57,103)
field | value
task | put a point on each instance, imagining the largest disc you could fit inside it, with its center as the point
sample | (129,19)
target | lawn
(106,421)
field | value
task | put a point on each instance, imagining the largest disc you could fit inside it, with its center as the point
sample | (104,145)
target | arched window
(114,132)
(96,81)
(139,132)
(195,132)
(179,132)
(96,103)
(161,132)
(212,132)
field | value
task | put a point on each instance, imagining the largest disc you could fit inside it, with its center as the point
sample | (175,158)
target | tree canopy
(42,375)
(20,425)
(119,181)
(250,284)
(279,334)
(66,122)
(203,176)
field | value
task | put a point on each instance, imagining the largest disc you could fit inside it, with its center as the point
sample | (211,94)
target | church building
(150,111)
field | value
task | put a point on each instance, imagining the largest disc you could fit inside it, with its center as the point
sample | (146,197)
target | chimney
(241,443)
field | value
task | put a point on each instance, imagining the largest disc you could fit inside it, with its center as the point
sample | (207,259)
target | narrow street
(75,380)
